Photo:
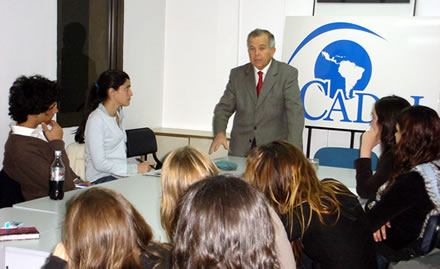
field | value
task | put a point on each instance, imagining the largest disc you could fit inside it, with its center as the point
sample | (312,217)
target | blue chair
(341,157)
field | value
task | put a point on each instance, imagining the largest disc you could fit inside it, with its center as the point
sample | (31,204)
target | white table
(144,192)
(29,253)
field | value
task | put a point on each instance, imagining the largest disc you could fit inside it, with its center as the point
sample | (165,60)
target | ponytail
(98,93)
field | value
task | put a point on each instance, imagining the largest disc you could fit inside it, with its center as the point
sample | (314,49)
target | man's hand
(370,139)
(381,234)
(56,133)
(220,139)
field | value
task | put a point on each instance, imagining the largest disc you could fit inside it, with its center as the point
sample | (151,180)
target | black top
(367,184)
(405,205)
(346,244)
(164,262)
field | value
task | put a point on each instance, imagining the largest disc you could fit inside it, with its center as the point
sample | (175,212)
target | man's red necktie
(260,82)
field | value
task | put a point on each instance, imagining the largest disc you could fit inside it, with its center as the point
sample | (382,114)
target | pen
(140,161)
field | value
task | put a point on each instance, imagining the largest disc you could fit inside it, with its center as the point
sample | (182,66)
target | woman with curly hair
(412,194)
(382,131)
(323,218)
(103,230)
(224,223)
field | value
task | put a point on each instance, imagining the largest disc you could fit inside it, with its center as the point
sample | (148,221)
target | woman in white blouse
(103,131)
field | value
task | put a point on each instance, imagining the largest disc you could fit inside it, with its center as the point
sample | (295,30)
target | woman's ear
(111,91)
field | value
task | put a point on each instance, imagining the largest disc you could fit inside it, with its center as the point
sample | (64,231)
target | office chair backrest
(341,157)
(141,142)
(10,191)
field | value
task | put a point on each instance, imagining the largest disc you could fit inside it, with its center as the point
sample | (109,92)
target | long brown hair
(387,109)
(103,230)
(282,172)
(420,140)
(181,168)
(224,222)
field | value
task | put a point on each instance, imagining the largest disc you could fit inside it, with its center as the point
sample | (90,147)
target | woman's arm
(368,183)
(399,198)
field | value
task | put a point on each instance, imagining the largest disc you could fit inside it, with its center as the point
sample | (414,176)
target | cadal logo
(342,72)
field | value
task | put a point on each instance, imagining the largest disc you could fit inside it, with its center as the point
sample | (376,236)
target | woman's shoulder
(98,113)
(409,179)
(98,119)
(337,186)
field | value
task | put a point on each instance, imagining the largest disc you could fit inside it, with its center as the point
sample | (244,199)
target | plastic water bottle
(56,182)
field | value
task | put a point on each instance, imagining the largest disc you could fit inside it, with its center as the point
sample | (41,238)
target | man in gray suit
(265,97)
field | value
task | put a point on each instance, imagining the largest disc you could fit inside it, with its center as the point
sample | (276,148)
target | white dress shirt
(264,72)
(25,131)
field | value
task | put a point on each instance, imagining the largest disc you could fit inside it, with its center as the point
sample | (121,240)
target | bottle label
(57,174)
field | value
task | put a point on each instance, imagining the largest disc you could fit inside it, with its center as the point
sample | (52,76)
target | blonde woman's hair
(102,229)
(181,168)
(282,172)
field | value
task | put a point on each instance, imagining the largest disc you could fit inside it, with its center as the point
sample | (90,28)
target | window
(90,40)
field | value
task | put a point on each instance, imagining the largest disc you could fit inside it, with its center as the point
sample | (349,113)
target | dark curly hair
(30,96)
(420,140)
(98,93)
(224,222)
(387,109)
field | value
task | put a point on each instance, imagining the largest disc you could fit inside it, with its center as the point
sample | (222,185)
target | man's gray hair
(259,32)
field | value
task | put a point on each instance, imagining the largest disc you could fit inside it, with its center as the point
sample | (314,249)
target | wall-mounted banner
(345,64)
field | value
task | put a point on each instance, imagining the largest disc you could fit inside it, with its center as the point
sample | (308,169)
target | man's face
(49,113)
(259,51)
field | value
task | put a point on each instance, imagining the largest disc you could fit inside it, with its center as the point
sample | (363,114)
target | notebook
(24,233)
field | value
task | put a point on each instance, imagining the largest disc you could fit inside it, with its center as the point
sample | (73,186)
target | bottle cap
(58,153)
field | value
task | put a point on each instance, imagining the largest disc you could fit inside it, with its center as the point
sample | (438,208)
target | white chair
(76,153)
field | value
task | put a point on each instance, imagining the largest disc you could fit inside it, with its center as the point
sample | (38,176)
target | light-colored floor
(430,261)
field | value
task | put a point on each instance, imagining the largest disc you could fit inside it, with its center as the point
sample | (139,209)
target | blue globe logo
(347,65)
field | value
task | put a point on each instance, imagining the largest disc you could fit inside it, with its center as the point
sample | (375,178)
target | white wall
(428,8)
(144,43)
(200,48)
(204,40)
(28,45)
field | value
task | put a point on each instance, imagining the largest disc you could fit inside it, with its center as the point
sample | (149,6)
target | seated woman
(103,130)
(187,165)
(180,169)
(103,230)
(224,222)
(412,193)
(382,131)
(323,218)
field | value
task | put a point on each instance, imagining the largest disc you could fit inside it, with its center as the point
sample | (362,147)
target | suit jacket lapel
(250,83)
(268,82)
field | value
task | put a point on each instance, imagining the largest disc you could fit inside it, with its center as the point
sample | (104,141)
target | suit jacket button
(255,127)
